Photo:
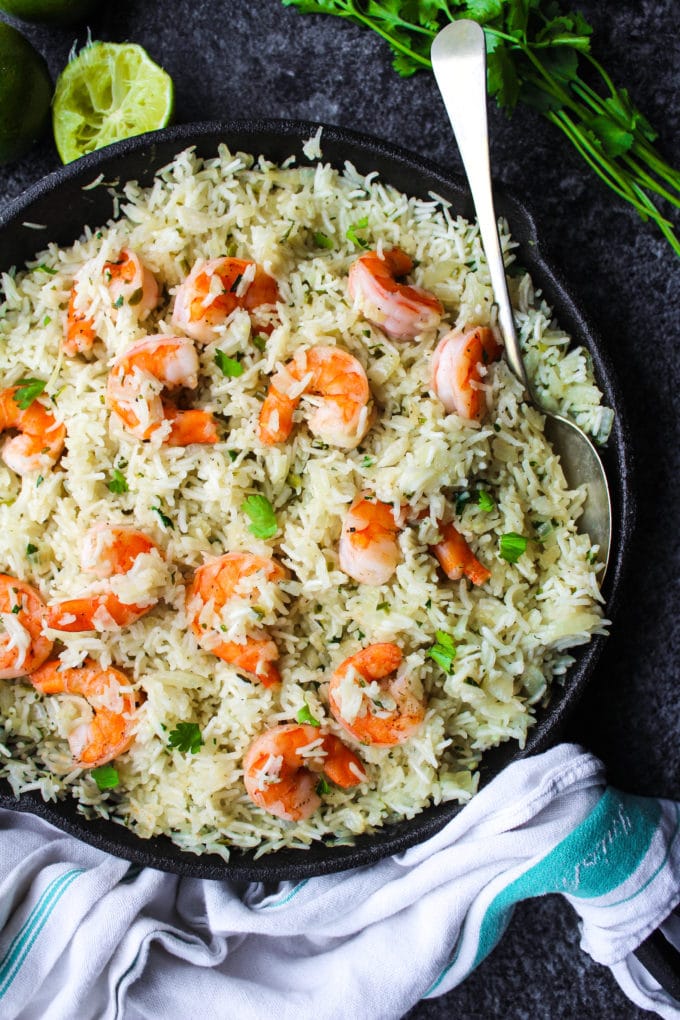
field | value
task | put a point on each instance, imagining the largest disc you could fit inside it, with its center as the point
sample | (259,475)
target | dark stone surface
(258,58)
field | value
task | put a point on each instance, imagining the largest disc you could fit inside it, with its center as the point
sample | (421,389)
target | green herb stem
(664,226)
(651,157)
(647,181)
(396,44)
(605,168)
(613,91)
(534,50)
(607,171)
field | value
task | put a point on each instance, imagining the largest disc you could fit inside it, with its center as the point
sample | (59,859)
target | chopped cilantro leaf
(118,303)
(511,546)
(261,514)
(106,777)
(443,651)
(165,520)
(27,391)
(352,235)
(30,549)
(322,787)
(117,483)
(46,269)
(321,241)
(260,342)
(186,737)
(483,499)
(305,716)
(228,366)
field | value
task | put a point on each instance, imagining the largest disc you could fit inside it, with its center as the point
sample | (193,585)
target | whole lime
(51,12)
(25,94)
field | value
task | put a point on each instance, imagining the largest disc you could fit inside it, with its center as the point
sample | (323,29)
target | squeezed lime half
(107,92)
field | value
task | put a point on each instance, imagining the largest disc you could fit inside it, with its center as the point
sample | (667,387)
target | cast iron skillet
(64,208)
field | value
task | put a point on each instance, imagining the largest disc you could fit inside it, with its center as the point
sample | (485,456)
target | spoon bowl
(459,65)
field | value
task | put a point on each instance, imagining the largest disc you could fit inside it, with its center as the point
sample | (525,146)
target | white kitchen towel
(86,935)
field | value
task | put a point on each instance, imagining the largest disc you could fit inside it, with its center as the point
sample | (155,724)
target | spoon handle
(459,64)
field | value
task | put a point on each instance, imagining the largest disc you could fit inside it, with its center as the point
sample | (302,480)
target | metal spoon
(459,64)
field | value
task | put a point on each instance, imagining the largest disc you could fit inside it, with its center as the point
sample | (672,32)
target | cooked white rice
(512,634)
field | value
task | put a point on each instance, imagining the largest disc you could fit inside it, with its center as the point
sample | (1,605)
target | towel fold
(86,934)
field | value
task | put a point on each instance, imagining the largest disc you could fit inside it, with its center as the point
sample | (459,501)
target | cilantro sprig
(186,737)
(539,55)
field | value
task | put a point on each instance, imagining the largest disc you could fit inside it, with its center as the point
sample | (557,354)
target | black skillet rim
(278,139)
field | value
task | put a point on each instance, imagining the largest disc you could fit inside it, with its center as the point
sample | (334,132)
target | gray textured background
(251,58)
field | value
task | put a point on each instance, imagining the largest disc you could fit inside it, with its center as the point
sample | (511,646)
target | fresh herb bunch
(536,55)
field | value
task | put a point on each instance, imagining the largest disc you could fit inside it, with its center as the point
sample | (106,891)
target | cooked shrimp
(401,311)
(107,691)
(215,588)
(338,382)
(372,707)
(80,332)
(282,765)
(456,376)
(108,551)
(456,557)
(369,551)
(23,646)
(41,437)
(128,282)
(212,291)
(135,384)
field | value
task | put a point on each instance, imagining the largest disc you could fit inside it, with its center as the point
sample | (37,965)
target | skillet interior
(59,203)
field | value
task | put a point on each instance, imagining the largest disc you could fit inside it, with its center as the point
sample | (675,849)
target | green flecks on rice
(510,635)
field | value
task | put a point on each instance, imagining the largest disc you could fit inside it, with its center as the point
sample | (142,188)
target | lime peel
(107,92)
(25,93)
(51,12)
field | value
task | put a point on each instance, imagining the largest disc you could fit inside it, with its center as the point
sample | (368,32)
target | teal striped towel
(85,935)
